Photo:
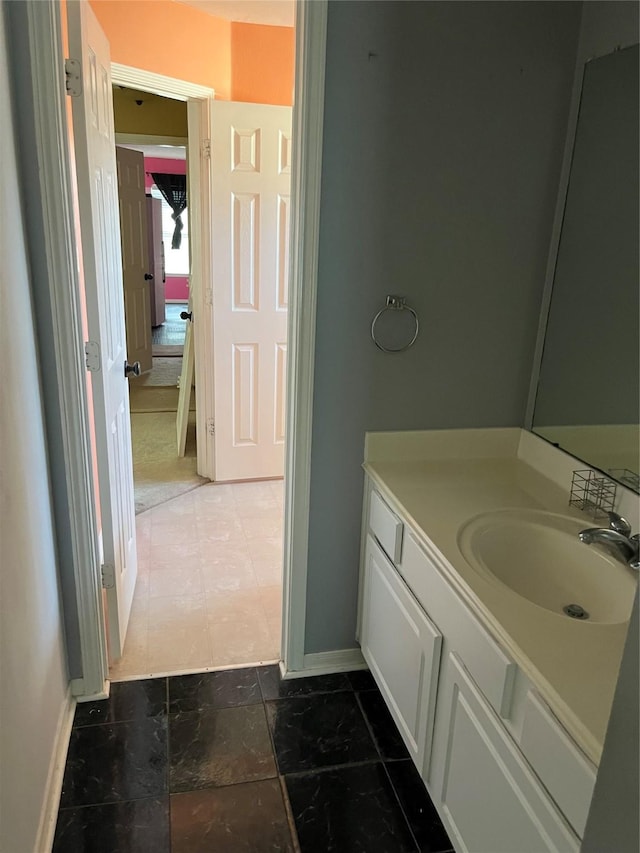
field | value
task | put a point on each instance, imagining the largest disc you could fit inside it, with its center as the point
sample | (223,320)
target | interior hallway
(209,589)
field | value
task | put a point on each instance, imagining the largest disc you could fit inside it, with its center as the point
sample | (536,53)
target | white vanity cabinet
(466,713)
(489,799)
(402,647)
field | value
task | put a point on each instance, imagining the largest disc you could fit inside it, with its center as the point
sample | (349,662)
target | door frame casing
(306,175)
(198,99)
(53,151)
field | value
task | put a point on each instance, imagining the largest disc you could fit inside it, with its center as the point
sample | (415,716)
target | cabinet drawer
(559,764)
(386,527)
(492,669)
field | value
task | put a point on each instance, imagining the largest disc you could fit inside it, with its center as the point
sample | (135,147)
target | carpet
(156,399)
(165,371)
(158,473)
(167,350)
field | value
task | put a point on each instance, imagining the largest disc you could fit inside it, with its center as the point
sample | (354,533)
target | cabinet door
(487,796)
(402,648)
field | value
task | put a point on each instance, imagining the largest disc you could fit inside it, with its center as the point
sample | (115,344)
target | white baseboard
(326,663)
(51,803)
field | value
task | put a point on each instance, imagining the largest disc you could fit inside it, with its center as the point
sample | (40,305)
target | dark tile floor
(242,761)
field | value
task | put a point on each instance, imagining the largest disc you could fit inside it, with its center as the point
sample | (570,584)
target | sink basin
(538,556)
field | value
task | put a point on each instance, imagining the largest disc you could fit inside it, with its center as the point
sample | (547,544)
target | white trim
(308,116)
(325,663)
(169,673)
(55,776)
(77,690)
(199,177)
(158,84)
(53,158)
(147,139)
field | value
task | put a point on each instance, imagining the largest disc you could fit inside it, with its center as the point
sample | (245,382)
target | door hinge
(206,149)
(208,296)
(211,427)
(73,75)
(108,573)
(92,353)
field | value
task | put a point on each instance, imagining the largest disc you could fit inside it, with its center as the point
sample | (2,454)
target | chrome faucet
(616,538)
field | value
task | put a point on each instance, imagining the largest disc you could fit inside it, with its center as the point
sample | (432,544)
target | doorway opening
(163,421)
(66,203)
(210,560)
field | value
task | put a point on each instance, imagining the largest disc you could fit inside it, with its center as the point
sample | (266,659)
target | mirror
(587,400)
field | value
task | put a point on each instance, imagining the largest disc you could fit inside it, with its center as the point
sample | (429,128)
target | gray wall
(33,677)
(441,160)
(607,25)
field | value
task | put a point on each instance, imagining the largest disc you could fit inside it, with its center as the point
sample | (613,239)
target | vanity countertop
(573,664)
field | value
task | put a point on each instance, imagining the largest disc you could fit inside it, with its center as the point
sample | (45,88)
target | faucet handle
(619,524)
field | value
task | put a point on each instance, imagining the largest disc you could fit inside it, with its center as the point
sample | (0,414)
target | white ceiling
(169,152)
(276,13)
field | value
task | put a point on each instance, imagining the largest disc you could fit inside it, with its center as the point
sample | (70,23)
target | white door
(100,239)
(251,173)
(136,264)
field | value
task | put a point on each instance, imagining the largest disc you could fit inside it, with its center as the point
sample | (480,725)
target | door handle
(186,315)
(148,276)
(132,368)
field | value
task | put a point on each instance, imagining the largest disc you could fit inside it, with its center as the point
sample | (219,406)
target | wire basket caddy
(592,493)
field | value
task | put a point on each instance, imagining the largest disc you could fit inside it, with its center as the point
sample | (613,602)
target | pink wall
(176,286)
(162,164)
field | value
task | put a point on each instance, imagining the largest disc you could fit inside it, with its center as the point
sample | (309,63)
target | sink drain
(575,611)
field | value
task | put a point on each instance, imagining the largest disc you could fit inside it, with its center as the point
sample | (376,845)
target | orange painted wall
(242,62)
(169,38)
(262,62)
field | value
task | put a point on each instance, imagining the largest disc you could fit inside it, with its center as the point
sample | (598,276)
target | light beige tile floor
(209,588)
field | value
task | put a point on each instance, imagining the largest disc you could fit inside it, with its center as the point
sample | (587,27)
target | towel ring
(394,303)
